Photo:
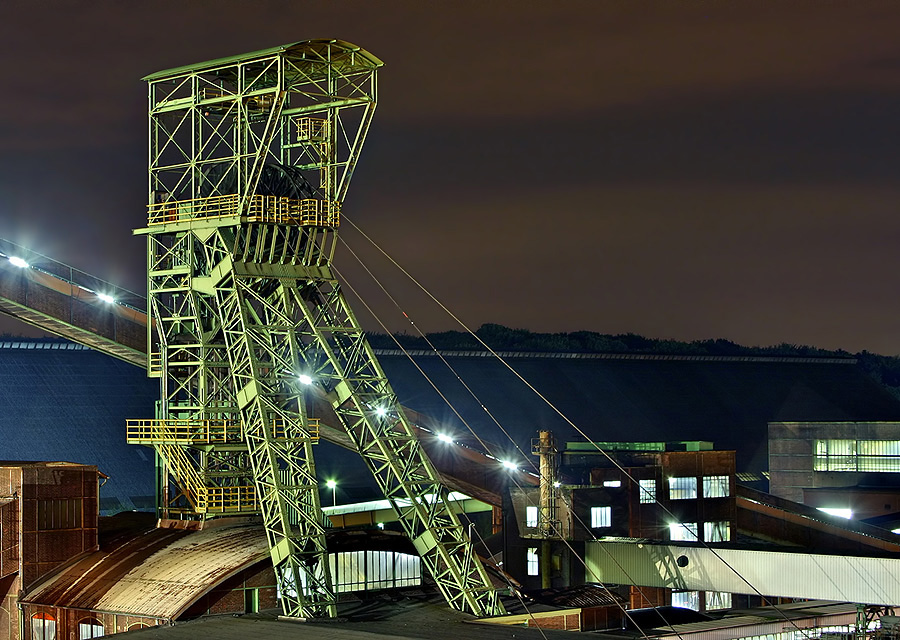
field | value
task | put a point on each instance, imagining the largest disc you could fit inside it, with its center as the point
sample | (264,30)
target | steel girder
(242,299)
(339,357)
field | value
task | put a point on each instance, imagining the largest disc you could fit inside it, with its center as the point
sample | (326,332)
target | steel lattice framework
(250,160)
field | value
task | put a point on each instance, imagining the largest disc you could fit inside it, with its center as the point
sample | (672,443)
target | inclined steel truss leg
(339,353)
(262,354)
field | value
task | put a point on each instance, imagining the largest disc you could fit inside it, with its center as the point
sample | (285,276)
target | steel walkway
(67,302)
(64,301)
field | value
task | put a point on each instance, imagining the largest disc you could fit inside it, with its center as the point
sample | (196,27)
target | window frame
(689,490)
(712,528)
(43,626)
(645,495)
(93,622)
(712,485)
(692,598)
(684,529)
(532,562)
(601,517)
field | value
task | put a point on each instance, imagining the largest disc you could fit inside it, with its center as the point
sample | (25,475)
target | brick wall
(59,517)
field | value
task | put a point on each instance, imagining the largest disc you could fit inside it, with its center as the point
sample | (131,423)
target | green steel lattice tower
(250,160)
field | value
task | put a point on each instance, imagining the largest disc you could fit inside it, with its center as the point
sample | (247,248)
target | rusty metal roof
(585,595)
(156,572)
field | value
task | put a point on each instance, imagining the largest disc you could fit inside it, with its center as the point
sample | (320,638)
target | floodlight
(304,379)
(106,298)
(18,262)
(840,513)
(510,465)
(381,411)
(443,437)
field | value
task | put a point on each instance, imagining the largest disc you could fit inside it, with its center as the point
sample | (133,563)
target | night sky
(684,170)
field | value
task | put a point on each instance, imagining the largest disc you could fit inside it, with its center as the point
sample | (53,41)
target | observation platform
(308,212)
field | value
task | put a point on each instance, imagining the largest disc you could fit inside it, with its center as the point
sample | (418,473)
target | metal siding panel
(795,575)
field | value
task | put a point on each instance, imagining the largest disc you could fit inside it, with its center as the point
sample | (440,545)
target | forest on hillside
(884,369)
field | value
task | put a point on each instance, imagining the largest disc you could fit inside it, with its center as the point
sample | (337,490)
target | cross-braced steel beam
(250,160)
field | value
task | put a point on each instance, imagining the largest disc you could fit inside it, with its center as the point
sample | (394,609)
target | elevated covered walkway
(67,302)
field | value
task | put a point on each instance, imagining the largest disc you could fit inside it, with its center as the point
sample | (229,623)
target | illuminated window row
(712,531)
(857,455)
(43,627)
(685,488)
(691,600)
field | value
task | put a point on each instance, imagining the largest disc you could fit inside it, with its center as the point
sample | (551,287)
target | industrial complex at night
(230,456)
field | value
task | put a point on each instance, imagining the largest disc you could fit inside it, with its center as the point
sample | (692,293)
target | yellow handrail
(175,431)
(183,431)
(266,209)
(311,129)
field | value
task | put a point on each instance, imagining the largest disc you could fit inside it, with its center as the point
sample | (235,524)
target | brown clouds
(689,170)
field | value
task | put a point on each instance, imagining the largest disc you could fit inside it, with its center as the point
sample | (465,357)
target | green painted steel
(250,160)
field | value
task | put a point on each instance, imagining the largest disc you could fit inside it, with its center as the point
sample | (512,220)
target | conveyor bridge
(64,301)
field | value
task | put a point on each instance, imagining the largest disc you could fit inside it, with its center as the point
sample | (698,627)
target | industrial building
(254,358)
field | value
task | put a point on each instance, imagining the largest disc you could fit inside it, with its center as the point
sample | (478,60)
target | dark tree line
(884,369)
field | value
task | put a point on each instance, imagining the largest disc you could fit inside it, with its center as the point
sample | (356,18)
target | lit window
(531,559)
(682,488)
(531,516)
(648,491)
(683,532)
(686,599)
(857,455)
(612,483)
(715,487)
(717,531)
(89,628)
(601,517)
(717,600)
(43,626)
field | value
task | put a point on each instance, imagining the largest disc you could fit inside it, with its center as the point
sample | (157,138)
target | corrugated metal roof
(157,573)
(585,595)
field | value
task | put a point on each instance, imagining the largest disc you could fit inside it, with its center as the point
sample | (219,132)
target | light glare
(443,437)
(106,298)
(840,513)
(381,411)
(304,379)
(331,484)
(17,262)
(509,465)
